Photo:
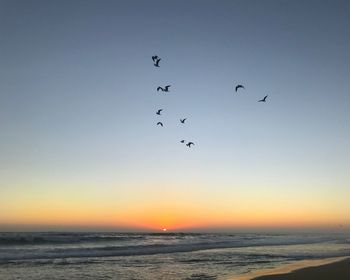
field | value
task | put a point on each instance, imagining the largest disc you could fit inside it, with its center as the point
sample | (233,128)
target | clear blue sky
(78,101)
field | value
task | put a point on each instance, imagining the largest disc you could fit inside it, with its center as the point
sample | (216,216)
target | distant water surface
(171,256)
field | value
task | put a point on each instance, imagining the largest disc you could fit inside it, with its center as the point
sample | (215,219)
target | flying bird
(239,86)
(154,57)
(189,144)
(165,89)
(264,99)
(158,112)
(160,123)
(182,141)
(183,120)
(156,63)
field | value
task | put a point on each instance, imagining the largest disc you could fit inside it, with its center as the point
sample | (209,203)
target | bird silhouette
(182,141)
(189,144)
(156,63)
(239,86)
(154,57)
(160,123)
(165,89)
(158,112)
(183,120)
(264,99)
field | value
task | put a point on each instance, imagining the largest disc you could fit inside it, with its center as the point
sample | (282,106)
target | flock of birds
(156,60)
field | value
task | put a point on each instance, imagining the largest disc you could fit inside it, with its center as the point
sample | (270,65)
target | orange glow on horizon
(178,214)
(173,219)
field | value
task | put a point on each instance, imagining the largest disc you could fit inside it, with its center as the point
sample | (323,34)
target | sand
(325,269)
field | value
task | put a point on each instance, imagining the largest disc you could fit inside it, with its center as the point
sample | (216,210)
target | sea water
(169,256)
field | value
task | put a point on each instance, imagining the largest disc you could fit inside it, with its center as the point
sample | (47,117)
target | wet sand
(325,269)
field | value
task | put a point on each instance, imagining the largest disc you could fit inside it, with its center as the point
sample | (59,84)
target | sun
(164,229)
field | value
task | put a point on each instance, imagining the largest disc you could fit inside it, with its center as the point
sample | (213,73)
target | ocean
(165,256)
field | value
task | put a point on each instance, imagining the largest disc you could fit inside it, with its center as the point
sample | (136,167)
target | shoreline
(291,268)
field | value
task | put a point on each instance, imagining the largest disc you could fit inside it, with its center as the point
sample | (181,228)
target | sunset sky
(79,144)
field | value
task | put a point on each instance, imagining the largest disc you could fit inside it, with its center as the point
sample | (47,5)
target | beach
(324,269)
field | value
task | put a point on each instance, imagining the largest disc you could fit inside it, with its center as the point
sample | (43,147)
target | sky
(79,143)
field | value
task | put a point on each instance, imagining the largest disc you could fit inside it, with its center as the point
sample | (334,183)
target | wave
(11,254)
(63,238)
(38,238)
